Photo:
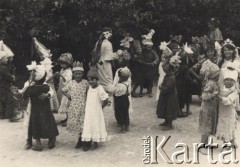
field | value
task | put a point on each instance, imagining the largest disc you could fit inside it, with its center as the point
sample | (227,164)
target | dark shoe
(167,127)
(150,95)
(122,129)
(141,95)
(51,143)
(79,143)
(37,148)
(182,114)
(163,124)
(94,146)
(134,94)
(86,146)
(126,128)
(28,146)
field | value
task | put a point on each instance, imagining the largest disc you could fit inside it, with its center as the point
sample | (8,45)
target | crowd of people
(209,67)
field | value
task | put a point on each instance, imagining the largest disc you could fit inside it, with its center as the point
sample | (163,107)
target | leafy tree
(74,25)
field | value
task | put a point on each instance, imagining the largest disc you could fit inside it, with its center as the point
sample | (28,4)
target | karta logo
(154,148)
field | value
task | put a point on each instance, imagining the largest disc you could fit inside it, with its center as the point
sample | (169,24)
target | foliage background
(74,25)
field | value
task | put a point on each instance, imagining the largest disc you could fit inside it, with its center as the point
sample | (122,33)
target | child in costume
(65,74)
(228,98)
(167,107)
(94,129)
(27,112)
(6,80)
(76,91)
(42,124)
(209,107)
(45,56)
(166,53)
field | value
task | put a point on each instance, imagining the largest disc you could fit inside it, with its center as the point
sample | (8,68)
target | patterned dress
(94,124)
(76,109)
(209,109)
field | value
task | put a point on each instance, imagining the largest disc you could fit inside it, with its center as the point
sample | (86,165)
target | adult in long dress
(102,59)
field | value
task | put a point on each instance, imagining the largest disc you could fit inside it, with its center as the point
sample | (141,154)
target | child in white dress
(94,129)
(228,97)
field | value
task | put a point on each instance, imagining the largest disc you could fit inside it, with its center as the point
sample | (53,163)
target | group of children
(218,74)
(83,101)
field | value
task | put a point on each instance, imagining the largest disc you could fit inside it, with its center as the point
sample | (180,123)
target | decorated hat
(92,73)
(209,69)
(32,66)
(175,60)
(164,47)
(41,49)
(231,73)
(5,48)
(39,72)
(126,42)
(66,58)
(47,62)
(3,54)
(147,39)
(228,42)
(77,66)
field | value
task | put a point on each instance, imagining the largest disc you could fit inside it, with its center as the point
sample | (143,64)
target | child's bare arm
(105,103)
(67,94)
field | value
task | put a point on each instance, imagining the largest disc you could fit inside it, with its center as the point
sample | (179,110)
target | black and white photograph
(119,83)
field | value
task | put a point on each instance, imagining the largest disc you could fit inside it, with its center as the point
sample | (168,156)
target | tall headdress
(164,47)
(175,60)
(147,39)
(126,41)
(5,48)
(41,49)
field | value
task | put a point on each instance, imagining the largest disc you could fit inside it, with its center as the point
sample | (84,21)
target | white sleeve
(230,100)
(102,94)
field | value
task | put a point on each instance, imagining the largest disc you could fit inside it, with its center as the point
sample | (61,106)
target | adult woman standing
(102,58)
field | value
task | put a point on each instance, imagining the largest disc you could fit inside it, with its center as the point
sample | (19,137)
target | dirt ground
(121,149)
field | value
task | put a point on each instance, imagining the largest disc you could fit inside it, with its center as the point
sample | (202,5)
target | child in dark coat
(168,107)
(42,123)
